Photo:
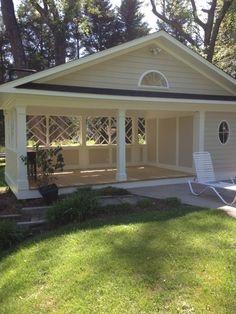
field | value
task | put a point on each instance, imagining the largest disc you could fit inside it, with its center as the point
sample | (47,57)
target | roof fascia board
(120,98)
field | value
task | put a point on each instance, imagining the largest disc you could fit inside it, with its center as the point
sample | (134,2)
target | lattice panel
(36,130)
(128,130)
(97,130)
(113,131)
(141,131)
(64,130)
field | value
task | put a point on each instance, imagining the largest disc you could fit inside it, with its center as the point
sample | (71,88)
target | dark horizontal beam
(122,92)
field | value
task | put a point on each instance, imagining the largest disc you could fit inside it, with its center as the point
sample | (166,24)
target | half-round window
(153,79)
(223,132)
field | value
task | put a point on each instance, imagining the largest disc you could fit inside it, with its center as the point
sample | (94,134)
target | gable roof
(160,39)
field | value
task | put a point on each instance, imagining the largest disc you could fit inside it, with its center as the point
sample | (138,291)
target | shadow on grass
(133,217)
(162,248)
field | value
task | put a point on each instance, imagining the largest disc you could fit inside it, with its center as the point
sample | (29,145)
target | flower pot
(49,193)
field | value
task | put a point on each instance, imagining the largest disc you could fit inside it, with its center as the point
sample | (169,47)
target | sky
(149,16)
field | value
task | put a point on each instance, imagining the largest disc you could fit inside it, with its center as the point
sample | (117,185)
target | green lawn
(175,261)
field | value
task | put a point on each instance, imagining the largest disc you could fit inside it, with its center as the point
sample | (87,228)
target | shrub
(172,201)
(10,234)
(76,207)
(115,208)
(145,203)
(110,190)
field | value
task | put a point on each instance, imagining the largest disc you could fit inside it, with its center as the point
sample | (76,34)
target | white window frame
(218,132)
(140,85)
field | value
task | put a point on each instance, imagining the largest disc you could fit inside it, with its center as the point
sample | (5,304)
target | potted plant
(48,160)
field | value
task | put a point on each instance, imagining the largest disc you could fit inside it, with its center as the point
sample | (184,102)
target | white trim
(142,86)
(28,194)
(121,147)
(121,98)
(177,142)
(218,132)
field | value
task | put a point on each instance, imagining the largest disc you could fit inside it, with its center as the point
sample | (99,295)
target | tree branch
(195,15)
(173,24)
(215,29)
(209,23)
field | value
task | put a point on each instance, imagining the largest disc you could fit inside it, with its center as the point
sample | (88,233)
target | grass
(176,261)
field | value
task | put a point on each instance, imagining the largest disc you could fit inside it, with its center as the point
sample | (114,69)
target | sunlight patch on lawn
(173,261)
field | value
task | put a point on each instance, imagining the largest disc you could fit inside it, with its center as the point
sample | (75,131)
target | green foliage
(179,12)
(110,190)
(10,234)
(132,20)
(225,51)
(75,208)
(48,160)
(101,27)
(115,208)
(172,202)
(145,203)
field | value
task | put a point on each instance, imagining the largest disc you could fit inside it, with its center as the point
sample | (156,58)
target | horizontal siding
(124,73)
(223,155)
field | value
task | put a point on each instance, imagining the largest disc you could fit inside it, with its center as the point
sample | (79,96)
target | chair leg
(214,190)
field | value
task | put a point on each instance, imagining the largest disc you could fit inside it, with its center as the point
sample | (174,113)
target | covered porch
(103,144)
(135,174)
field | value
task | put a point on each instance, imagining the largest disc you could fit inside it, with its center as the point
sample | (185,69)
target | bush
(10,234)
(76,207)
(115,208)
(172,201)
(145,203)
(110,190)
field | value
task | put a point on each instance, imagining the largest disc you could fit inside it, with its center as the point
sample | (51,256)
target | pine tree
(132,20)
(100,28)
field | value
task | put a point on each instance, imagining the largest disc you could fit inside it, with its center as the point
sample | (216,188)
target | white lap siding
(223,155)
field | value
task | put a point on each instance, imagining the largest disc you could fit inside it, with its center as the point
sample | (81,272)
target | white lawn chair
(205,176)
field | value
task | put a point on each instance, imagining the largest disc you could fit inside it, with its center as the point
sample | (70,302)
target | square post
(199,131)
(21,149)
(120,149)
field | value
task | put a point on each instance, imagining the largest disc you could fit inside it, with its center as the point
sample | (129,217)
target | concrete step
(10,217)
(31,223)
(37,210)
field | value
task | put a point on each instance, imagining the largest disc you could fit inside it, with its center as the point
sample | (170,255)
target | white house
(132,114)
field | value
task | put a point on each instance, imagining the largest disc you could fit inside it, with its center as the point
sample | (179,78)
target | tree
(57,15)
(101,27)
(13,34)
(206,29)
(225,51)
(177,11)
(131,18)
(36,36)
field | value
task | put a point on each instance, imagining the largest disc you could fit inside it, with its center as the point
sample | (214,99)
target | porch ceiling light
(155,51)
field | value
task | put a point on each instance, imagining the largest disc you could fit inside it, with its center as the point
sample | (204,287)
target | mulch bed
(10,205)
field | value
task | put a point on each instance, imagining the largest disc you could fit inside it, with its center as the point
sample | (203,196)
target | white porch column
(83,149)
(120,148)
(199,131)
(21,149)
(135,152)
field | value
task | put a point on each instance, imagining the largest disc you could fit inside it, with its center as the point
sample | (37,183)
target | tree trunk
(60,47)
(13,34)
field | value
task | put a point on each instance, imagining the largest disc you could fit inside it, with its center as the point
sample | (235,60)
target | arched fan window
(153,79)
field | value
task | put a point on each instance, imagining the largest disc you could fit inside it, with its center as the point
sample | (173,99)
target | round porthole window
(223,132)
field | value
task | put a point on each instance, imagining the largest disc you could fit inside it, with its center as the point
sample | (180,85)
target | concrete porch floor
(73,178)
(181,191)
